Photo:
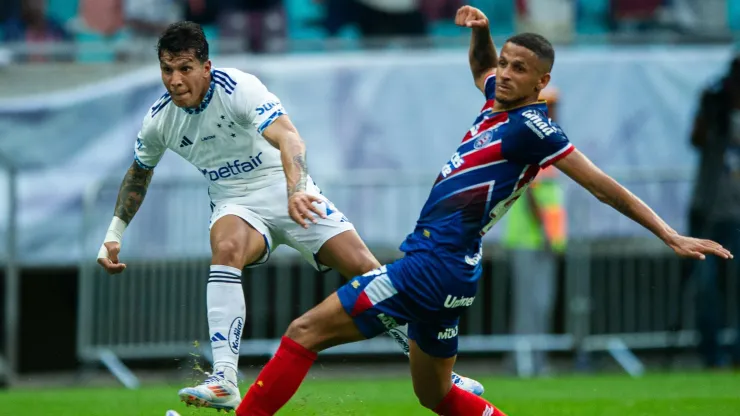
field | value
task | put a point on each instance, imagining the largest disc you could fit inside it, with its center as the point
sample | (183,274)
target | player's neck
(204,92)
(510,105)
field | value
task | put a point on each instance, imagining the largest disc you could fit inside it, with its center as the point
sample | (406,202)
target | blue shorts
(414,292)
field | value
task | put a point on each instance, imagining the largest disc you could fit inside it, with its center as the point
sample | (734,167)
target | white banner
(400,112)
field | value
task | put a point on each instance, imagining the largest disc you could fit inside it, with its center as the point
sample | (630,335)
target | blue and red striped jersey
(495,163)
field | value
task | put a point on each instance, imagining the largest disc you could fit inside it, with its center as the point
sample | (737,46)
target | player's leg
(324,326)
(431,366)
(333,243)
(234,244)
(349,255)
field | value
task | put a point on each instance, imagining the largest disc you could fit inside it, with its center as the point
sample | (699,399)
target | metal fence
(621,291)
(8,247)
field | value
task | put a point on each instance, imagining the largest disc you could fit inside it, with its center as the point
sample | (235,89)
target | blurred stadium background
(379,101)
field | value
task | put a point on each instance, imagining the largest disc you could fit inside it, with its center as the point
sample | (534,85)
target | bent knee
(229,251)
(304,331)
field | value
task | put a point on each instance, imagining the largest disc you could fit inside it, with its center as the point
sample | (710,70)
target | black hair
(537,44)
(183,37)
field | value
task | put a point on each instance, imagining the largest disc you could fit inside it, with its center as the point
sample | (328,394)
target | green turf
(655,395)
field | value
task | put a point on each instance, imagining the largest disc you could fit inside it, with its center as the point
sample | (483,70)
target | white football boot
(467,384)
(216,392)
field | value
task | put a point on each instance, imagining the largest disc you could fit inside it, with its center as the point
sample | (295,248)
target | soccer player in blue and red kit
(510,141)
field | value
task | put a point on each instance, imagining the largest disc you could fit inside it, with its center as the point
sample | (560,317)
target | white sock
(226,313)
(400,334)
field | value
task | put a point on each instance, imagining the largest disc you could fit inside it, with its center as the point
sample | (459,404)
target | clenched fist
(468,16)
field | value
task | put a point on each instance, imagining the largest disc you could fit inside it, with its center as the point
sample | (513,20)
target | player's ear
(207,66)
(544,80)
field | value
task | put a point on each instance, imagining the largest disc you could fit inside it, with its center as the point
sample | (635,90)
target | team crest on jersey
(483,139)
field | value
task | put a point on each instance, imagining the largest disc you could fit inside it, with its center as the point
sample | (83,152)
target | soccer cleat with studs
(216,392)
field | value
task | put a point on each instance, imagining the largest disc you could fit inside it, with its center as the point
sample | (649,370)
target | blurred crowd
(268,25)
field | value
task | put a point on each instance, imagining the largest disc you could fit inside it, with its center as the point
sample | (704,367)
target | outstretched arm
(283,135)
(482,53)
(607,190)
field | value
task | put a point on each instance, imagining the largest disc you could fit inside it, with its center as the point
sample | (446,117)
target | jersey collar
(540,105)
(206,100)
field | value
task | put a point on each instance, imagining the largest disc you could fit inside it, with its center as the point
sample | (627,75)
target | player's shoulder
(159,107)
(232,79)
(533,119)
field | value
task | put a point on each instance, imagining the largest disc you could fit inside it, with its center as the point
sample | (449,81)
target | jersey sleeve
(256,105)
(489,86)
(149,147)
(539,141)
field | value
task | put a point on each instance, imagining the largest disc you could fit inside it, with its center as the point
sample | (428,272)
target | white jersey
(222,137)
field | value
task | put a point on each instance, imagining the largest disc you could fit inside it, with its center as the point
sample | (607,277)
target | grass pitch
(715,394)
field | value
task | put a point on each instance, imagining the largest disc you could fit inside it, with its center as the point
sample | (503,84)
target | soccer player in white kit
(227,124)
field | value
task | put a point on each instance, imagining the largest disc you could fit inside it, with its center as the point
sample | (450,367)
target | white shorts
(266,210)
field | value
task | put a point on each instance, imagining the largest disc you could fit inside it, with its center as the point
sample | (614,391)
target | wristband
(115,234)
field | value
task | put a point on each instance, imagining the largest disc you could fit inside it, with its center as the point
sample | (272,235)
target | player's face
(520,75)
(185,77)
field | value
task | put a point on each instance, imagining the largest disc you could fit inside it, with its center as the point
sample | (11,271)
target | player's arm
(482,54)
(148,151)
(132,192)
(578,167)
(283,135)
(130,197)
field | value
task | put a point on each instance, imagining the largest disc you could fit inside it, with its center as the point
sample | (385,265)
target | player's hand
(696,248)
(468,16)
(110,262)
(303,206)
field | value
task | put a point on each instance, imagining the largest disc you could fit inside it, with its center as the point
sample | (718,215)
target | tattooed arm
(130,197)
(132,192)
(482,54)
(283,135)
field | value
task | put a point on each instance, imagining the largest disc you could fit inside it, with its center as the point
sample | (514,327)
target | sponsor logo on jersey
(266,107)
(448,333)
(477,257)
(455,302)
(455,162)
(205,139)
(233,168)
(537,124)
(235,334)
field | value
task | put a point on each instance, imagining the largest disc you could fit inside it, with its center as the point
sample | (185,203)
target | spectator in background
(715,207)
(535,235)
(389,18)
(377,19)
(31,25)
(102,17)
(261,23)
(11,8)
(145,20)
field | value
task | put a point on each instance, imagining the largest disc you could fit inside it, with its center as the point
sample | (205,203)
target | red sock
(459,402)
(278,381)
